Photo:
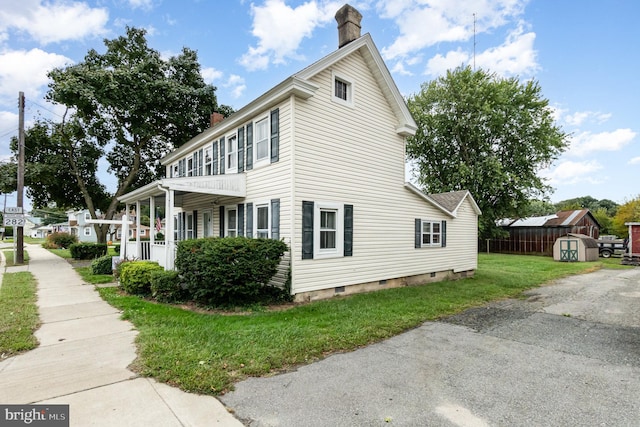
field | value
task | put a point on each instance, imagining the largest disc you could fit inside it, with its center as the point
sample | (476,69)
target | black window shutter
(250,146)
(241,149)
(214,158)
(348,230)
(222,159)
(307,230)
(275,135)
(195,224)
(221,210)
(249,220)
(418,233)
(275,219)
(444,234)
(240,219)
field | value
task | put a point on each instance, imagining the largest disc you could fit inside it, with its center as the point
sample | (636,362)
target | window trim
(349,102)
(87,231)
(431,222)
(208,160)
(257,162)
(256,206)
(338,251)
(227,216)
(227,154)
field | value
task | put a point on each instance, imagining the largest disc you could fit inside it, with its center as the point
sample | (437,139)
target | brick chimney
(216,118)
(348,24)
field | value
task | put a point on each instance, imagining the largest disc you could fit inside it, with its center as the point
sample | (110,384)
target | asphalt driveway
(566,355)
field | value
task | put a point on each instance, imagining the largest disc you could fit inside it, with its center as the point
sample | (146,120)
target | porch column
(169,239)
(138,228)
(152,220)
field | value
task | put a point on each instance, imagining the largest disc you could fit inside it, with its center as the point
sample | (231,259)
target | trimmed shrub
(102,265)
(166,287)
(88,250)
(60,240)
(135,276)
(230,270)
(116,249)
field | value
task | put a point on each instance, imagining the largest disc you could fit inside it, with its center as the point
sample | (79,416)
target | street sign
(12,210)
(13,220)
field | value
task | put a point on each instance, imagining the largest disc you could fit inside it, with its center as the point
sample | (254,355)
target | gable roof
(446,202)
(559,219)
(299,85)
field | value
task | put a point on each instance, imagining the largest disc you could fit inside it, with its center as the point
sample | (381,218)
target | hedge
(135,276)
(102,265)
(88,250)
(231,270)
(166,286)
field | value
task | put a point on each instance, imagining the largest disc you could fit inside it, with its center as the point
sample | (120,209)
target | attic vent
(348,24)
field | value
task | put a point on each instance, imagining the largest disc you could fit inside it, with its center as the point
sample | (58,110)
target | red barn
(633,253)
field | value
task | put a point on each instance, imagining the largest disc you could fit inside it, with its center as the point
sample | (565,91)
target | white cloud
(586,142)
(578,118)
(515,56)
(634,161)
(26,71)
(568,172)
(236,84)
(424,23)
(140,4)
(439,64)
(54,21)
(281,28)
(210,74)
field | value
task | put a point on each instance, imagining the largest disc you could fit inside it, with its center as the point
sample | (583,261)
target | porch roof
(220,185)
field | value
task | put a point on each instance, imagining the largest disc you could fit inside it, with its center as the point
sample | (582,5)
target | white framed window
(87,216)
(231,221)
(87,231)
(190,166)
(175,170)
(262,145)
(328,239)
(431,233)
(231,153)
(342,91)
(189,226)
(262,220)
(208,161)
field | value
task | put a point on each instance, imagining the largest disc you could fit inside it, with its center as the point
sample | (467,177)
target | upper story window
(87,216)
(262,140)
(232,154)
(190,166)
(343,90)
(208,161)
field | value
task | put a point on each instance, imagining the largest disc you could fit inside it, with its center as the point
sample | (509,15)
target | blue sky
(583,53)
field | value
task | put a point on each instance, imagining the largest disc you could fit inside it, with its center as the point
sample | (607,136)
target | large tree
(128,106)
(627,212)
(486,134)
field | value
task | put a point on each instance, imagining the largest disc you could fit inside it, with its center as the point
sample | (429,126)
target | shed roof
(589,242)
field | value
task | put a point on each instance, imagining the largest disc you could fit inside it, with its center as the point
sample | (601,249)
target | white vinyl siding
(332,164)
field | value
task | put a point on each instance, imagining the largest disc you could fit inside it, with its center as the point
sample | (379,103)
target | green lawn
(8,257)
(18,314)
(207,353)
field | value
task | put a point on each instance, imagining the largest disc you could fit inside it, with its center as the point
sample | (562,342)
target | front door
(207,223)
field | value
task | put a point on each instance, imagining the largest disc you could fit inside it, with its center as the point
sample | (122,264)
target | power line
(45,108)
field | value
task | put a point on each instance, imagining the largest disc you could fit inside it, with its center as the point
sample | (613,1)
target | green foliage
(86,250)
(485,134)
(588,202)
(135,276)
(166,287)
(102,265)
(221,271)
(18,313)
(628,212)
(8,177)
(59,240)
(537,208)
(116,249)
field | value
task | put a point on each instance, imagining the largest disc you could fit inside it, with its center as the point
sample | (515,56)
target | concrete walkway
(82,361)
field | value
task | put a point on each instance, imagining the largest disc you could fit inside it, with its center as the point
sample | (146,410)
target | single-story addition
(318,161)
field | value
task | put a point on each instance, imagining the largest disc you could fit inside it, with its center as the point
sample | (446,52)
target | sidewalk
(82,361)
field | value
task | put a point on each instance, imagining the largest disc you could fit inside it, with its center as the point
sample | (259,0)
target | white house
(318,161)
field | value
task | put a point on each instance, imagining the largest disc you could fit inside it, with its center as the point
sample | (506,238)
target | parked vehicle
(612,245)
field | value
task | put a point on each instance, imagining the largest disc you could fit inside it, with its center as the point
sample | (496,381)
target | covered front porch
(166,200)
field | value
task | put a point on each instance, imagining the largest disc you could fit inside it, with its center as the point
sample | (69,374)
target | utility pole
(20,230)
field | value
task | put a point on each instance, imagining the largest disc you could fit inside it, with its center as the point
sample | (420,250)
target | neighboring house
(537,235)
(319,162)
(132,232)
(77,225)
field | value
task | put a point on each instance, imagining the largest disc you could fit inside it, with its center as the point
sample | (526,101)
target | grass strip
(94,279)
(8,256)
(207,353)
(18,314)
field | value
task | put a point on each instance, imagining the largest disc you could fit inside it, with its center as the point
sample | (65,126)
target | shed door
(568,250)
